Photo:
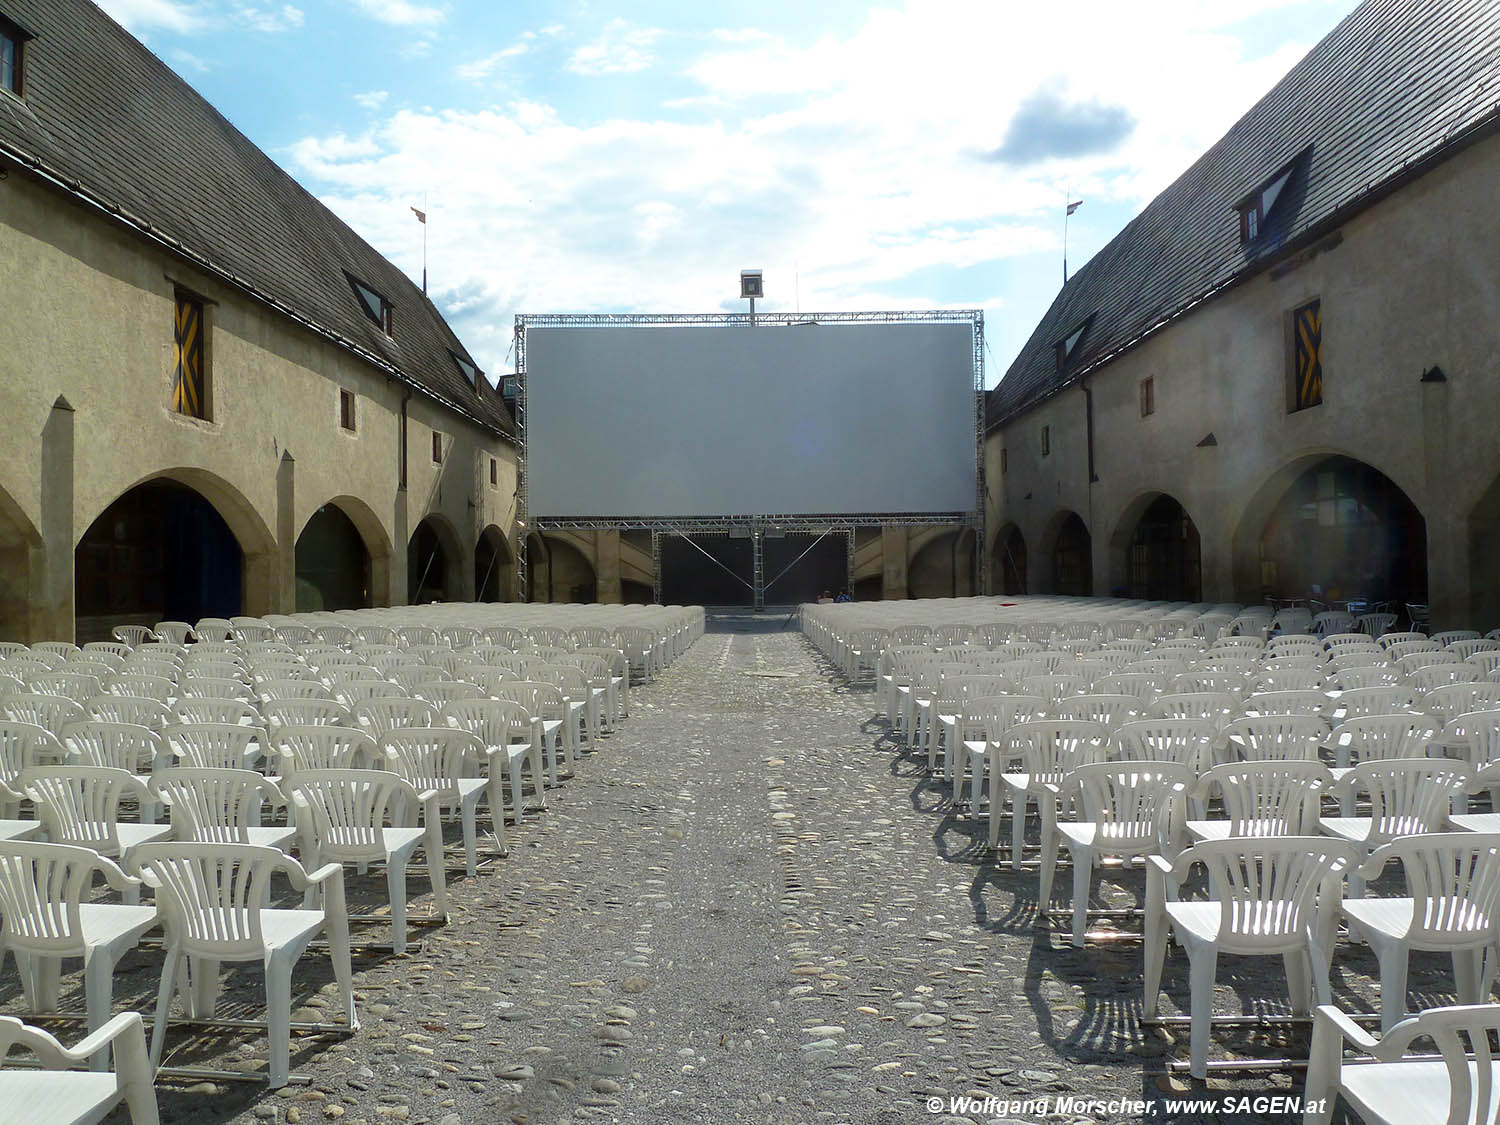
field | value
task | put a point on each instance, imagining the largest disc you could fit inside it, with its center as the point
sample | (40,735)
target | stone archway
(433,558)
(943,567)
(1068,551)
(494,567)
(334,563)
(1155,552)
(1341,531)
(559,571)
(1008,561)
(163,550)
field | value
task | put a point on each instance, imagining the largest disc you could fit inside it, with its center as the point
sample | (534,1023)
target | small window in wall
(1148,396)
(1307,355)
(1003,459)
(12,54)
(190,356)
(494,473)
(372,304)
(437,448)
(346,409)
(1046,440)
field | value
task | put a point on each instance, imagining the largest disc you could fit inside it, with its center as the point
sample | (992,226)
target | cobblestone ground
(748,905)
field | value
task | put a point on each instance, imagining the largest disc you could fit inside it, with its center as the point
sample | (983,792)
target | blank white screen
(715,420)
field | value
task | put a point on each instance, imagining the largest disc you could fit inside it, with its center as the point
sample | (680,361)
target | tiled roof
(111,123)
(1396,84)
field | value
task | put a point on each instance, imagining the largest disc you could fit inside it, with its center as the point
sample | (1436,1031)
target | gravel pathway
(748,905)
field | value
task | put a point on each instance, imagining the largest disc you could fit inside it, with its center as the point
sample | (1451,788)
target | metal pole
(758,569)
(656,568)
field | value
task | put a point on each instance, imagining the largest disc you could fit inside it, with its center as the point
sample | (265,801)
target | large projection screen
(666,421)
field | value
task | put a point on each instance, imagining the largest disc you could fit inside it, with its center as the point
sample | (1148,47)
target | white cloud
(186,60)
(856,162)
(481,69)
(372,99)
(620,49)
(181,16)
(284,18)
(401,13)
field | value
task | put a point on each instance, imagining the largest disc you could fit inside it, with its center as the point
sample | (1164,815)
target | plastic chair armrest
(124,1024)
(1346,1027)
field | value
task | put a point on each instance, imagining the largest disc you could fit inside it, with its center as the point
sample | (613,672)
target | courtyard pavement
(747,905)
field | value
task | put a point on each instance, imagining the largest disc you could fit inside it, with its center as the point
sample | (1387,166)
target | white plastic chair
(1275,738)
(343,817)
(1130,810)
(192,711)
(1390,1089)
(132,709)
(210,897)
(1452,881)
(46,915)
(545,701)
(1047,750)
(220,746)
(299,748)
(1188,741)
(221,806)
(23,746)
(986,761)
(444,760)
(1218,706)
(81,805)
(55,1094)
(135,749)
(305,713)
(511,736)
(1408,796)
(1261,799)
(382,715)
(1267,903)
(49,712)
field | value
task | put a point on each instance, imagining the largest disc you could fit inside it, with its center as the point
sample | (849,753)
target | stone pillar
(284,592)
(51,610)
(607,567)
(893,546)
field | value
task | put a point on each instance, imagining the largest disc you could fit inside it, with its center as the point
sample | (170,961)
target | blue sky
(593,157)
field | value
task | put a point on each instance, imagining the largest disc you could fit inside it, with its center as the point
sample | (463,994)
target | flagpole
(422,218)
(1069,206)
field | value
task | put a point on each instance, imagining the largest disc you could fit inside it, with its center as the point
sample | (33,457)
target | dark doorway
(1009,562)
(427,566)
(1165,557)
(161,552)
(493,568)
(1073,559)
(1345,532)
(333,564)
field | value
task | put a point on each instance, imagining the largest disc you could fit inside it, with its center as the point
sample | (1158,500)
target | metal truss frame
(756,523)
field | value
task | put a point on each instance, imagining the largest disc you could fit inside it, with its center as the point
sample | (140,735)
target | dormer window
(466,369)
(1067,347)
(372,304)
(12,50)
(1255,208)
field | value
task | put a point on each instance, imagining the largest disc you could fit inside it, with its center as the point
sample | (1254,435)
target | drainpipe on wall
(401,444)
